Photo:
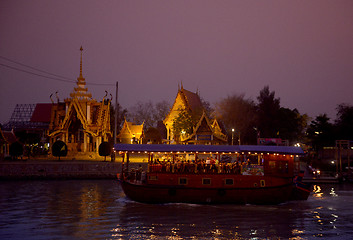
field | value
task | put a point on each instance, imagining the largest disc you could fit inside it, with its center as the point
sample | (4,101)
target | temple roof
(193,100)
(7,136)
(42,112)
(131,129)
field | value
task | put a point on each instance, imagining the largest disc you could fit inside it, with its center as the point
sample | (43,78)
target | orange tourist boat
(213,174)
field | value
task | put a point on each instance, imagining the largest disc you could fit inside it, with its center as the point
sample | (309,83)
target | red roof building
(42,113)
(6,139)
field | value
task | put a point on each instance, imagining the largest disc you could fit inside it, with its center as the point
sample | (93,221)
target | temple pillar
(98,142)
(88,113)
(84,142)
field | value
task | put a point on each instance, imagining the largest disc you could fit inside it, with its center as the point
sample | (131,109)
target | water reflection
(208,222)
(100,210)
(317,191)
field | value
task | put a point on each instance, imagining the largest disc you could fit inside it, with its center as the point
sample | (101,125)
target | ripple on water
(100,210)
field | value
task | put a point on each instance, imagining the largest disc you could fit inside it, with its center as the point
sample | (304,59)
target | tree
(291,124)
(148,113)
(239,114)
(268,111)
(344,122)
(320,132)
(105,149)
(16,149)
(59,149)
(183,123)
(162,109)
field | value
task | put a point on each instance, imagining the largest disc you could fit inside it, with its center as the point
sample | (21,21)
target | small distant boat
(213,174)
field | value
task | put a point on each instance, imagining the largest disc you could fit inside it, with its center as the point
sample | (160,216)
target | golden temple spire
(81,49)
(81,91)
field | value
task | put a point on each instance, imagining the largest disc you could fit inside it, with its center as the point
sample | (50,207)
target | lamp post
(232,136)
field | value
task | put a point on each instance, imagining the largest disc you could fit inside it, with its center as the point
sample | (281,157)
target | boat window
(152,177)
(206,181)
(283,167)
(183,181)
(229,181)
(262,183)
(272,165)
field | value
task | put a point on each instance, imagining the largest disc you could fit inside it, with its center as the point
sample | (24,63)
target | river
(98,209)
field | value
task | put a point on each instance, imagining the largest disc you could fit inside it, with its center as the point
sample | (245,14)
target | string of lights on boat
(223,153)
(209,149)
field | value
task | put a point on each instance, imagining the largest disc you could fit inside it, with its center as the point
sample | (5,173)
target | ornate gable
(73,108)
(130,132)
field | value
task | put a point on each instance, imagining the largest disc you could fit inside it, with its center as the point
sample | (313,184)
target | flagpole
(116,113)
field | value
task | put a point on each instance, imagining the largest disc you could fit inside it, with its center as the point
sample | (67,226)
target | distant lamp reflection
(333,193)
(233,136)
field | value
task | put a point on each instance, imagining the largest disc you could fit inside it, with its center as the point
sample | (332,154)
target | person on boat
(168,166)
(138,173)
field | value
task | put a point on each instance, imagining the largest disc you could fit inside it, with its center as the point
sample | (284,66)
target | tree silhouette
(59,149)
(239,114)
(16,149)
(105,149)
(320,132)
(268,113)
(344,122)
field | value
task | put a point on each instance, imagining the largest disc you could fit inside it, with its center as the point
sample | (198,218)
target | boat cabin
(214,159)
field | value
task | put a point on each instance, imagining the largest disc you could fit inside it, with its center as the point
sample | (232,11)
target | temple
(131,133)
(80,121)
(204,130)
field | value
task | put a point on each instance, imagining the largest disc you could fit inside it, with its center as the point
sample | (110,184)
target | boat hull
(177,194)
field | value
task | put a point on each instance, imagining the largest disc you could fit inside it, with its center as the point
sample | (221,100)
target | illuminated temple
(80,121)
(131,133)
(205,131)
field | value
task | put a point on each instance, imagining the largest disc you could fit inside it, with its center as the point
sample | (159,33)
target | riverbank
(63,169)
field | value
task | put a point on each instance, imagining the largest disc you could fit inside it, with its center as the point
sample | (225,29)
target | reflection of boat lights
(216,233)
(317,191)
(317,216)
(117,232)
(175,232)
(297,231)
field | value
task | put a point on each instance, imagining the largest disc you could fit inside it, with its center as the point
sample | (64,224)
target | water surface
(98,209)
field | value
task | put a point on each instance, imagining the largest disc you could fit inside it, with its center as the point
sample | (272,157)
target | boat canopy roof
(208,148)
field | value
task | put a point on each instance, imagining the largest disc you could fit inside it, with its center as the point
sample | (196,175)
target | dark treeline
(264,118)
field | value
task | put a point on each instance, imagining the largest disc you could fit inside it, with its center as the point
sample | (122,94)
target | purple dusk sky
(302,49)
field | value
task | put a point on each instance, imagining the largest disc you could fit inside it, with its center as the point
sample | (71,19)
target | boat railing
(135,175)
(193,168)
